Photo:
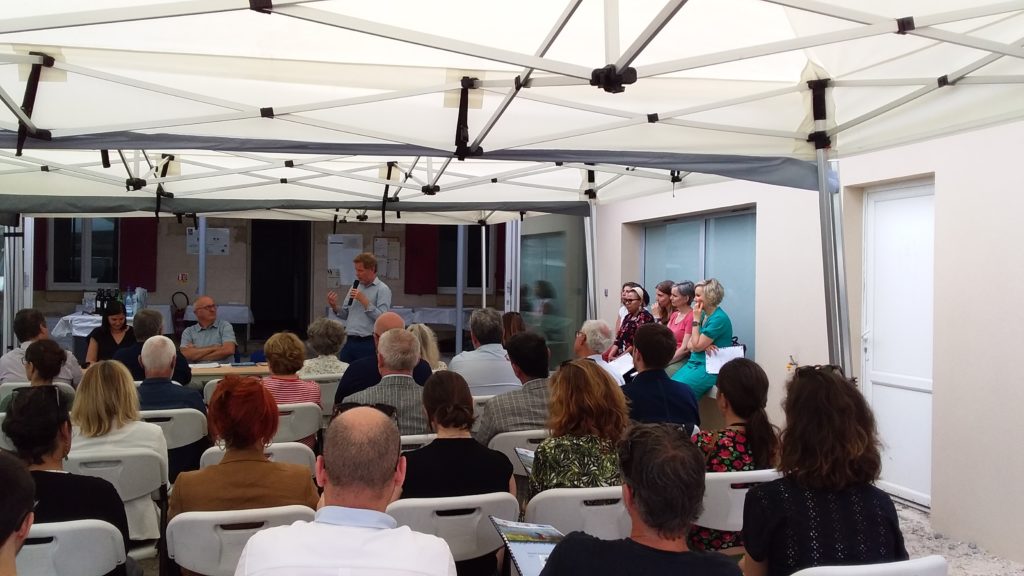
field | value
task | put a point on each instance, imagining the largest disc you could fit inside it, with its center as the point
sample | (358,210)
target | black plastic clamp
(591,193)
(943,80)
(289,163)
(362,217)
(284,180)
(820,139)
(611,80)
(134,183)
(674,177)
(430,189)
(652,118)
(44,168)
(264,6)
(905,24)
(267,112)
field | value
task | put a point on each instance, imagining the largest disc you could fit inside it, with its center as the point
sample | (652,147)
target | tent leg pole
(460,282)
(590,235)
(512,239)
(836,305)
(201,281)
(483,266)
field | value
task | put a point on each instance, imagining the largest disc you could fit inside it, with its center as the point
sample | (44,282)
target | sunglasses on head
(387,409)
(26,391)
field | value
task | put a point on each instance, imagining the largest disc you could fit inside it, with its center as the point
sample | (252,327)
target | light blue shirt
(488,364)
(358,318)
(215,334)
(358,517)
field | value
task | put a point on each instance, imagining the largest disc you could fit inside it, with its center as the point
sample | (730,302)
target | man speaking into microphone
(366,300)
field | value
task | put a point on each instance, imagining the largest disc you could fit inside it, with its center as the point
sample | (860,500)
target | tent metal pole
(612,51)
(836,305)
(590,238)
(483,265)
(460,283)
(28,242)
(201,281)
(649,33)
(512,258)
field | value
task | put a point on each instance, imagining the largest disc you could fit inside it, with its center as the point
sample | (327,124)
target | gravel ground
(964,558)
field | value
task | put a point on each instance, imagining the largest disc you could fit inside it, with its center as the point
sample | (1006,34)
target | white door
(897,332)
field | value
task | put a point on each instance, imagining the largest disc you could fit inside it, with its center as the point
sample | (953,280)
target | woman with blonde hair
(712,329)
(285,356)
(587,415)
(428,346)
(106,417)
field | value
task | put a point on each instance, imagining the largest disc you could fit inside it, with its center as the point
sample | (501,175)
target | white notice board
(388,252)
(341,250)
(218,241)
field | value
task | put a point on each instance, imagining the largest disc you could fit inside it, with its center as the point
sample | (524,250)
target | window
(83,253)
(719,246)
(447,265)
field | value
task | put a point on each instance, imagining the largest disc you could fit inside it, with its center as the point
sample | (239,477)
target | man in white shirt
(591,341)
(29,326)
(361,471)
(487,365)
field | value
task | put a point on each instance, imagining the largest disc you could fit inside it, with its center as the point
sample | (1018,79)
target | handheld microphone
(355,284)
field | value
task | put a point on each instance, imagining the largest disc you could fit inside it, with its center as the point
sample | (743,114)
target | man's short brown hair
(656,345)
(368,260)
(361,456)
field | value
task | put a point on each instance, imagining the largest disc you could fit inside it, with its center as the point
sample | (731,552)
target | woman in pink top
(285,355)
(681,323)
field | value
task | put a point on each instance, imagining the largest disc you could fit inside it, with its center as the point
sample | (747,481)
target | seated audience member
(30,326)
(428,346)
(681,323)
(634,298)
(158,392)
(363,373)
(825,510)
(663,491)
(361,469)
(149,323)
(105,417)
(587,416)
(512,324)
(487,363)
(748,441)
(244,416)
(285,354)
(398,351)
(593,338)
(39,426)
(326,337)
(526,408)
(455,464)
(111,335)
(43,361)
(17,500)
(209,339)
(653,396)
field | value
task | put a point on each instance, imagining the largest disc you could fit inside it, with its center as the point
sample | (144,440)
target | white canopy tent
(462,112)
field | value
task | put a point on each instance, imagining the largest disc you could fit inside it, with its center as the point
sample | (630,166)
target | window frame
(492,257)
(86,256)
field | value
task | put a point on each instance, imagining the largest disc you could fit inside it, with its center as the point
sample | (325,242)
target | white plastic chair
(81,547)
(723,503)
(134,472)
(328,388)
(493,389)
(927,566)
(507,442)
(290,452)
(211,543)
(599,512)
(5,441)
(461,521)
(414,441)
(297,421)
(478,404)
(8,388)
(208,389)
(181,426)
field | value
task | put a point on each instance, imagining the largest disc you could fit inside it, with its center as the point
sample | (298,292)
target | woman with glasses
(43,362)
(825,510)
(588,414)
(39,426)
(633,299)
(113,334)
(285,355)
(711,329)
(106,417)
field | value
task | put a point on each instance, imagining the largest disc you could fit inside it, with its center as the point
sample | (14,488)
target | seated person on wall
(30,326)
(587,416)
(326,337)
(526,408)
(43,361)
(17,500)
(158,392)
(113,334)
(209,339)
(363,373)
(39,426)
(593,338)
(487,363)
(361,470)
(653,396)
(397,353)
(149,323)
(285,355)
(663,492)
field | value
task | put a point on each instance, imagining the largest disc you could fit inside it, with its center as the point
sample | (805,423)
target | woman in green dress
(712,330)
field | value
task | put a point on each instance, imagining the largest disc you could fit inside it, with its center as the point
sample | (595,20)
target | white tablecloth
(233,313)
(81,324)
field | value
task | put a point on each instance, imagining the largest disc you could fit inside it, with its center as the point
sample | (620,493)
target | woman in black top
(113,334)
(455,464)
(825,510)
(39,426)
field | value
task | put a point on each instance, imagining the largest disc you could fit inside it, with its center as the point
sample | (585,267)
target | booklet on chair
(528,544)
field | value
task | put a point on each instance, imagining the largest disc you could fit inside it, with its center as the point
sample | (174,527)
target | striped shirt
(291,390)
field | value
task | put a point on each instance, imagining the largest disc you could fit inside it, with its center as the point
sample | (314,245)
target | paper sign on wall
(218,241)
(341,250)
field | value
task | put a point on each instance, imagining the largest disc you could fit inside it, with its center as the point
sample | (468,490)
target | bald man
(361,471)
(209,340)
(364,372)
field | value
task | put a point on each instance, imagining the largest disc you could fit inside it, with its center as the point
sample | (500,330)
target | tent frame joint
(905,24)
(612,80)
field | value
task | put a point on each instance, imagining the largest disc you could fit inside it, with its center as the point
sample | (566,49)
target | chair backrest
(297,421)
(211,542)
(927,566)
(599,512)
(208,389)
(5,441)
(134,472)
(724,493)
(85,547)
(290,452)
(328,387)
(181,426)
(461,521)
(493,389)
(8,388)
(507,442)
(478,404)
(414,441)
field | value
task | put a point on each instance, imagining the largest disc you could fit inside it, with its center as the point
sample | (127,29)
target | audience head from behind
(485,327)
(529,355)
(585,401)
(106,399)
(653,347)
(17,500)
(448,402)
(243,413)
(285,353)
(398,352)
(511,324)
(384,322)
(742,397)
(158,357)
(326,336)
(428,344)
(29,325)
(147,323)
(361,465)
(594,337)
(43,361)
(39,425)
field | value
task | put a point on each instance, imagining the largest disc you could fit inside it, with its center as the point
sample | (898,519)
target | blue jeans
(355,349)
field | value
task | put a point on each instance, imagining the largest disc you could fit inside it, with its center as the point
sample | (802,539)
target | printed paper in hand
(715,361)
